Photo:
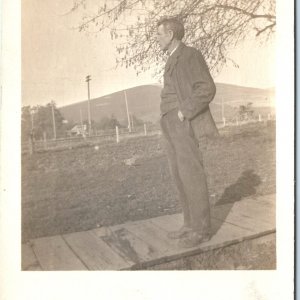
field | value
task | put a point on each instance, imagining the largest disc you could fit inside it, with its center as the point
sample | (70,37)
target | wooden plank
(155,233)
(270,198)
(256,211)
(220,212)
(265,201)
(253,209)
(226,234)
(223,233)
(169,222)
(145,242)
(29,260)
(244,215)
(152,235)
(94,252)
(102,231)
(54,254)
(130,246)
(174,222)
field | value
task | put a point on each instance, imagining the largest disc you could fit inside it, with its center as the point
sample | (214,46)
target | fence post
(259,118)
(117,134)
(145,129)
(224,122)
(45,140)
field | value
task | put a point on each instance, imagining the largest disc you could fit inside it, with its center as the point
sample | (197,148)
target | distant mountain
(233,96)
(144,101)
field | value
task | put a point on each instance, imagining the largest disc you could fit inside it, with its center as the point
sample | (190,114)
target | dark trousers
(186,166)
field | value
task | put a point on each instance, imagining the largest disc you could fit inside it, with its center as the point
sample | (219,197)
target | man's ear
(171,33)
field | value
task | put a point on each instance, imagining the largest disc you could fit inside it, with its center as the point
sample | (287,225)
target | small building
(79,130)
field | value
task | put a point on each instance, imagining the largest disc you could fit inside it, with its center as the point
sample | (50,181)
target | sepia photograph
(148,135)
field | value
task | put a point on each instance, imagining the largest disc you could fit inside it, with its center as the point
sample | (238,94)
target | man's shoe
(179,233)
(193,239)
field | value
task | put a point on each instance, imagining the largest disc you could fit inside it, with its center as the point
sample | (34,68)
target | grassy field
(82,188)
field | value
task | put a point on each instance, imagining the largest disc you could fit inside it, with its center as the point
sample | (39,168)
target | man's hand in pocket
(180,116)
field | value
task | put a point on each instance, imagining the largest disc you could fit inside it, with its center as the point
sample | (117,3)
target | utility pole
(53,120)
(127,110)
(88,79)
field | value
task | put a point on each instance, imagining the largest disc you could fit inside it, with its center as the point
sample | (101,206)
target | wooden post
(127,111)
(259,118)
(53,120)
(117,134)
(145,129)
(45,140)
(88,79)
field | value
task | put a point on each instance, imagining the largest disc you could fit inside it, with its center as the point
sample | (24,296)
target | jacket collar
(178,51)
(172,60)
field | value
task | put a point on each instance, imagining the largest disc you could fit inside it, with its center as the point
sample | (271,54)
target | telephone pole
(88,79)
(53,120)
(127,111)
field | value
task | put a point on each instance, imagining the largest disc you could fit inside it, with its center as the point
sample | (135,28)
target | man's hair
(174,25)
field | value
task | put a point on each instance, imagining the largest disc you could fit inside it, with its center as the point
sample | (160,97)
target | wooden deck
(137,245)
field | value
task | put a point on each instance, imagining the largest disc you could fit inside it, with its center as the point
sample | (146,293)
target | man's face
(164,37)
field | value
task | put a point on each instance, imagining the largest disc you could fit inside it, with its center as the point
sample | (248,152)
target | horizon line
(159,84)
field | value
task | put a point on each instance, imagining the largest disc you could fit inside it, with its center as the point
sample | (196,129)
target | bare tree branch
(269,27)
(252,15)
(213,26)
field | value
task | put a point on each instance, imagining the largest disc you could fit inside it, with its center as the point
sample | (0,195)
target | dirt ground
(82,188)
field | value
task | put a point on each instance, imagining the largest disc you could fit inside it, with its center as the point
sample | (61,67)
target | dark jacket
(195,89)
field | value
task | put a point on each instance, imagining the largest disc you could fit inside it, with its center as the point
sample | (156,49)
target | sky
(56,59)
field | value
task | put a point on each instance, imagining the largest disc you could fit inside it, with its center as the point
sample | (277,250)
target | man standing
(186,121)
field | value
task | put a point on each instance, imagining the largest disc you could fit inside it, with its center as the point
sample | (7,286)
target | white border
(141,285)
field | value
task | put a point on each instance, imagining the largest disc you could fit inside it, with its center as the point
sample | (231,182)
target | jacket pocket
(204,126)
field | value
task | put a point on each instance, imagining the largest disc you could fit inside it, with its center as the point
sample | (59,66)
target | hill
(143,102)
